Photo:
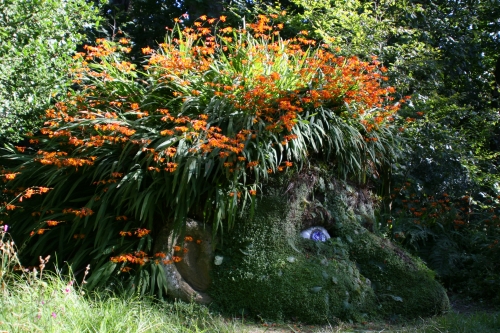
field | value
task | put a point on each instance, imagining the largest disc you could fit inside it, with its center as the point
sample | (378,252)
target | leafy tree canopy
(37,39)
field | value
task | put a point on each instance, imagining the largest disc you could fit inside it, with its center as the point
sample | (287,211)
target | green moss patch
(268,271)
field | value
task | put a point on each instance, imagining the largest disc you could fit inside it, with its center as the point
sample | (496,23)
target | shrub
(212,113)
(445,200)
(37,40)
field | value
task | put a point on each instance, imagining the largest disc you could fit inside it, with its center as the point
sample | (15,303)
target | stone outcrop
(266,268)
(190,278)
(269,270)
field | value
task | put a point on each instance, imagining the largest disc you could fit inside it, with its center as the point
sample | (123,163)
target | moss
(403,284)
(265,274)
(269,271)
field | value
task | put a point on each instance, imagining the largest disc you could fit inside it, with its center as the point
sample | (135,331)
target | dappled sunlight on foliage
(210,115)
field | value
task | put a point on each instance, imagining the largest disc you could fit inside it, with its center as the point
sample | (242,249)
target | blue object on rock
(317,234)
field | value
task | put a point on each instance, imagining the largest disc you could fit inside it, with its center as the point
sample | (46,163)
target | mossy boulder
(268,270)
(404,286)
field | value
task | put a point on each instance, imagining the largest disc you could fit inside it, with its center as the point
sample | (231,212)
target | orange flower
(176,259)
(252,164)
(167,132)
(177,248)
(43,189)
(52,223)
(188,239)
(10,207)
(141,232)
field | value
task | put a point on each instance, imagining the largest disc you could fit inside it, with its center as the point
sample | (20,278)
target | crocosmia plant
(194,130)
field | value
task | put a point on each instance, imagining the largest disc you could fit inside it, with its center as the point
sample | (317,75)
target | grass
(41,301)
(480,322)
(38,301)
(54,305)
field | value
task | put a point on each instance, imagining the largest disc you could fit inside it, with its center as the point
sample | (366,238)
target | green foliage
(445,196)
(206,121)
(443,54)
(446,204)
(37,40)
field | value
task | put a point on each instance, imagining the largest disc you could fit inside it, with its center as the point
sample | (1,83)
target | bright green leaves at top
(37,39)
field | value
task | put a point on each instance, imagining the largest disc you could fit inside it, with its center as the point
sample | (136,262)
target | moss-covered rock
(403,284)
(268,270)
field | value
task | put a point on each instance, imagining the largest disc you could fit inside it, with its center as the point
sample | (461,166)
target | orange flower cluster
(272,107)
(224,100)
(38,232)
(141,232)
(344,80)
(9,206)
(104,181)
(429,210)
(58,159)
(9,176)
(82,212)
(52,223)
(139,257)
(114,127)
(27,193)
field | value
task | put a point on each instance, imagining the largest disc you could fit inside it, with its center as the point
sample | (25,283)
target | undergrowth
(38,300)
(41,301)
